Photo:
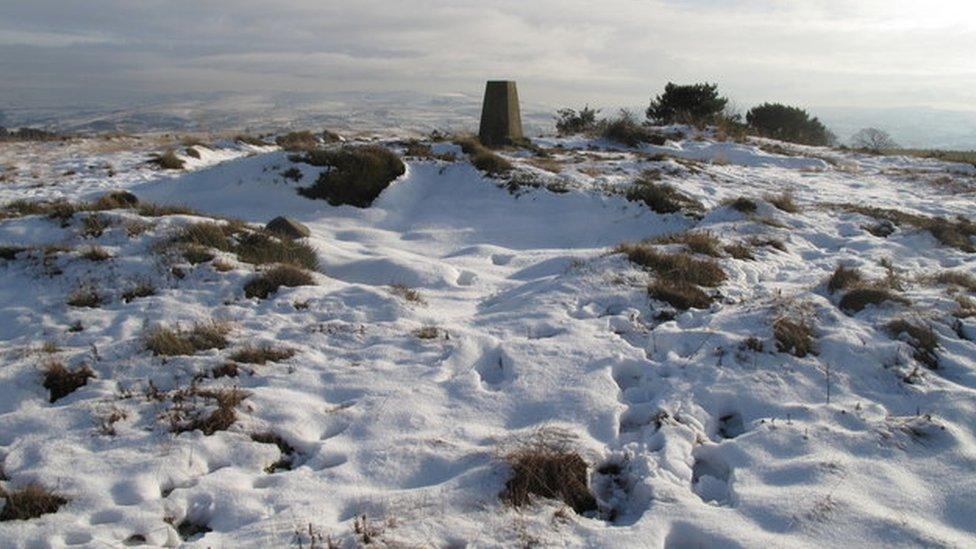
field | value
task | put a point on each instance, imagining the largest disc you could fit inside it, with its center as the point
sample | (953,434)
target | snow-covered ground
(693,438)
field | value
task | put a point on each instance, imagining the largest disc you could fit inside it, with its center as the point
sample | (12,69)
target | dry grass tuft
(218,419)
(956,278)
(794,336)
(921,337)
(858,298)
(163,341)
(483,158)
(269,281)
(297,141)
(94,225)
(356,175)
(679,294)
(85,296)
(167,160)
(61,381)
(195,255)
(29,502)
(259,248)
(548,471)
(741,251)
(95,253)
(407,293)
(742,204)
(261,355)
(700,242)
(148,209)
(674,266)
(663,198)
(427,332)
(287,459)
(142,289)
(783,202)
(844,278)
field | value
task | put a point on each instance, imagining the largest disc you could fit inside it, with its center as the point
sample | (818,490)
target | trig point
(501,120)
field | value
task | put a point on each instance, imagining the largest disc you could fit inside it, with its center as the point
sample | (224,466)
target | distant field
(968,157)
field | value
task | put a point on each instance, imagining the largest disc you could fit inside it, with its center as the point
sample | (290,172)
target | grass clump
(921,337)
(663,198)
(207,235)
(407,293)
(700,242)
(94,225)
(739,250)
(142,289)
(220,418)
(783,202)
(794,336)
(626,129)
(163,341)
(356,175)
(85,296)
(148,209)
(483,158)
(742,204)
(549,471)
(858,298)
(196,255)
(956,278)
(269,281)
(259,248)
(679,294)
(674,266)
(844,278)
(427,332)
(95,253)
(250,140)
(61,382)
(167,160)
(29,502)
(297,141)
(956,233)
(261,355)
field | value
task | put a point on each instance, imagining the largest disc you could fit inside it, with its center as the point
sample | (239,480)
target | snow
(541,330)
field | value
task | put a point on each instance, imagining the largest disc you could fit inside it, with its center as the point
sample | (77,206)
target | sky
(827,53)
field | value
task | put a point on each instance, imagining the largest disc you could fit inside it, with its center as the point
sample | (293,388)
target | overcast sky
(611,52)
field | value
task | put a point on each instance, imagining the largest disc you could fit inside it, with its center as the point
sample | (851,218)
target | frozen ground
(694,439)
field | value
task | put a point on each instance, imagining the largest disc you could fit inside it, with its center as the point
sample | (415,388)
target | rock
(286,226)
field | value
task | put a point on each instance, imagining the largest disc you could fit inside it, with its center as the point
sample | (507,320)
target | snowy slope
(693,439)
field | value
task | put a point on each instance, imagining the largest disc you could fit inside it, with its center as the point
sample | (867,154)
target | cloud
(616,52)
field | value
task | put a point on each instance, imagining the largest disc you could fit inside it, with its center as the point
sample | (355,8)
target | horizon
(822,56)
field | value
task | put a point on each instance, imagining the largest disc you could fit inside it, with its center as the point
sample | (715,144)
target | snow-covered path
(693,438)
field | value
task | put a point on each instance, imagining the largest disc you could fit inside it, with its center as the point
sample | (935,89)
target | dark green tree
(695,103)
(778,121)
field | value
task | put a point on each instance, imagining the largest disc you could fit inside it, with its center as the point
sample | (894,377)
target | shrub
(163,341)
(569,122)
(356,175)
(859,298)
(783,201)
(679,294)
(269,281)
(627,130)
(696,103)
(873,140)
(551,472)
(844,278)
(261,355)
(778,121)
(921,337)
(167,160)
(674,266)
(61,382)
(297,141)
(29,502)
(701,242)
(663,198)
(483,158)
(793,336)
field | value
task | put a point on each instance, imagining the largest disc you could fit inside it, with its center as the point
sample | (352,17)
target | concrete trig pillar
(501,120)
